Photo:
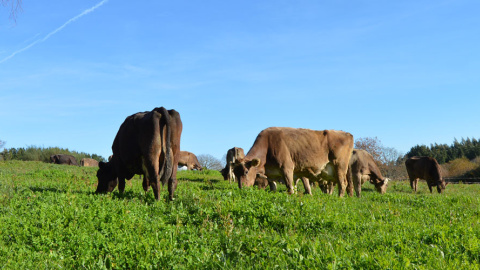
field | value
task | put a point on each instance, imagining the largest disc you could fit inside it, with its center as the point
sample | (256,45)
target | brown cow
(362,168)
(147,143)
(190,160)
(233,155)
(426,168)
(285,154)
(88,162)
(63,159)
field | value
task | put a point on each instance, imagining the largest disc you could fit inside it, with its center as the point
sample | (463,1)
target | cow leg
(342,178)
(429,187)
(273,186)
(172,185)
(306,186)
(412,185)
(288,174)
(121,185)
(350,183)
(330,187)
(324,186)
(231,176)
(152,177)
(145,183)
(357,182)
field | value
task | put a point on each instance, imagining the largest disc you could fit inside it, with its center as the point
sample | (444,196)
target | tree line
(443,153)
(33,153)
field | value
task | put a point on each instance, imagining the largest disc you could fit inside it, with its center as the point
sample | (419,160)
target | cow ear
(255,162)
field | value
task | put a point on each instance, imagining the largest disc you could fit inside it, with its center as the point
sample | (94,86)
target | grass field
(50,218)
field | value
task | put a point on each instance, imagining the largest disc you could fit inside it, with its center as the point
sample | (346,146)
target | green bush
(34,153)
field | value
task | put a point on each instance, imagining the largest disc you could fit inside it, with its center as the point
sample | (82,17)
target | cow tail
(166,168)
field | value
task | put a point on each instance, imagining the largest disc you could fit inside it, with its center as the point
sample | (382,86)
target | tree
(2,144)
(388,159)
(210,162)
(15,7)
(372,145)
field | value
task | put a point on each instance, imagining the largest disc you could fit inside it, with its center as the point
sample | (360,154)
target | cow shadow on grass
(59,190)
(199,180)
(47,189)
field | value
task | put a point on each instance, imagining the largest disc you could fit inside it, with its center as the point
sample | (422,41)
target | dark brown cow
(362,168)
(63,159)
(233,154)
(147,143)
(190,160)
(426,168)
(88,162)
(285,154)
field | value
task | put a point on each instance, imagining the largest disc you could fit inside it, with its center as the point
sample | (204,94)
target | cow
(63,159)
(147,143)
(190,160)
(286,154)
(426,168)
(88,162)
(362,168)
(233,154)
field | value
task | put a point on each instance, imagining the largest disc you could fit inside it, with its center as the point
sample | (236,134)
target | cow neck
(374,169)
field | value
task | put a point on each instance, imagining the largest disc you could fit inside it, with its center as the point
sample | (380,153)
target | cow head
(54,159)
(441,185)
(107,179)
(246,172)
(224,172)
(380,185)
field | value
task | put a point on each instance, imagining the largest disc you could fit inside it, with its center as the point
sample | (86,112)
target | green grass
(51,218)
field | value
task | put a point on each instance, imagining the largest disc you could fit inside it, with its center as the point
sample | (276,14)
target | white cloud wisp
(85,12)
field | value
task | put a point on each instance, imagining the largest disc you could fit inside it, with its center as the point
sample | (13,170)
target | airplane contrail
(85,12)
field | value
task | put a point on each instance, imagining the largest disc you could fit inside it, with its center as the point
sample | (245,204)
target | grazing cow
(286,154)
(88,162)
(233,155)
(63,159)
(363,168)
(426,168)
(190,160)
(147,143)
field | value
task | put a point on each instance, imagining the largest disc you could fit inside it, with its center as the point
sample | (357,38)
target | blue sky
(406,72)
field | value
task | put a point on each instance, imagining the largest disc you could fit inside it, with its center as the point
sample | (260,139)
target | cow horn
(385,181)
(261,175)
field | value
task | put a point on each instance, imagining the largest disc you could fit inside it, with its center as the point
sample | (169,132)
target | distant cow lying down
(286,154)
(426,168)
(63,159)
(147,143)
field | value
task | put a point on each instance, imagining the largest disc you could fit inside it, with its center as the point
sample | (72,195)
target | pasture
(51,218)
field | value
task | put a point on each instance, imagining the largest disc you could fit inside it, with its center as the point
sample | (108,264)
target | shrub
(458,167)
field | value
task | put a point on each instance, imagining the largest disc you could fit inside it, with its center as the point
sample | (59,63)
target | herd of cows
(148,143)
